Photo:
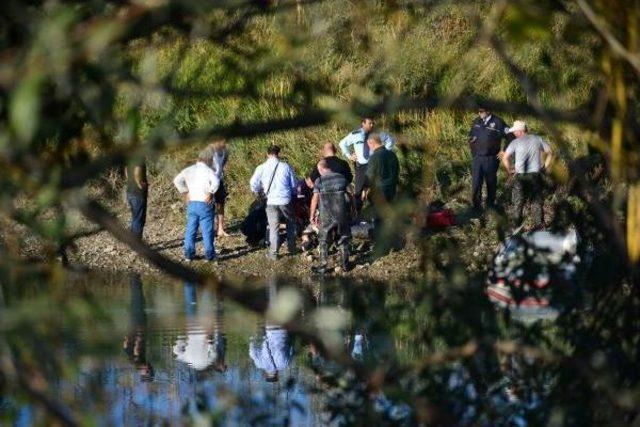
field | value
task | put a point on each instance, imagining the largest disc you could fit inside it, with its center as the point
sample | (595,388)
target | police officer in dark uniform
(485,137)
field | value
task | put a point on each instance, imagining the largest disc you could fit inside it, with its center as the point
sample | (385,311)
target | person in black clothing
(334,163)
(485,138)
(137,189)
(135,343)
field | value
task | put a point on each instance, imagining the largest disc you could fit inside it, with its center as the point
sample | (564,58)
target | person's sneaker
(272,257)
(187,260)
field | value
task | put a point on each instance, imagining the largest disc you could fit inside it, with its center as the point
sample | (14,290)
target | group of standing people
(376,179)
(376,170)
(531,157)
(332,206)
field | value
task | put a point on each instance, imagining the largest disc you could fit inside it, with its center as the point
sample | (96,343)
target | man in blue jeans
(137,188)
(275,180)
(199,183)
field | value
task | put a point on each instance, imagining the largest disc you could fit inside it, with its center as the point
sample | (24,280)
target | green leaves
(24,108)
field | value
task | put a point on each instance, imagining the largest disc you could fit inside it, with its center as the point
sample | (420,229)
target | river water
(124,349)
(127,350)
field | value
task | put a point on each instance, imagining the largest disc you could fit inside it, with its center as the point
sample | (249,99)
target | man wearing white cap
(528,150)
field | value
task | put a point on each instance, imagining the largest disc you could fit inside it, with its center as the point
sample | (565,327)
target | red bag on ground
(441,219)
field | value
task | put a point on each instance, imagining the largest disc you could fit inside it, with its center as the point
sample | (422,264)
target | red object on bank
(441,219)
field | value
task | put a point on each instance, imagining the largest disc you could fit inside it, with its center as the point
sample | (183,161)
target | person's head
(206,156)
(218,144)
(374,141)
(273,151)
(483,113)
(323,167)
(271,377)
(519,128)
(368,124)
(328,149)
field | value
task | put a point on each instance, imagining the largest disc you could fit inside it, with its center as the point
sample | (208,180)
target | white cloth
(196,350)
(198,180)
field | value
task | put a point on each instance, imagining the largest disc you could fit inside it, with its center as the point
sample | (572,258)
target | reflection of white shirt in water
(196,350)
(275,351)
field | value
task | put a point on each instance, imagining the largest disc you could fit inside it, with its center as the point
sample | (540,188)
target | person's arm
(255,183)
(314,205)
(139,178)
(548,156)
(505,161)
(345,145)
(387,140)
(180,182)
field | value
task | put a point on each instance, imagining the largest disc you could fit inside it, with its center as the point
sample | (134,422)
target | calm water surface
(125,350)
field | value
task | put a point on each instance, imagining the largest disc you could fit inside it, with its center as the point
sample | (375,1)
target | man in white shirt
(276,180)
(199,183)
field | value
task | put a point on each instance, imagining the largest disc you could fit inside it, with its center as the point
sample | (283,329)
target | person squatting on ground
(199,183)
(276,180)
(137,191)
(529,185)
(220,158)
(360,155)
(381,184)
(329,193)
(485,137)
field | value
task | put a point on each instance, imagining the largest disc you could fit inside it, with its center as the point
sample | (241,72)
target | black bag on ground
(254,226)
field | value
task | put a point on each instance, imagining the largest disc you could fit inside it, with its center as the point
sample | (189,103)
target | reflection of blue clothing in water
(273,351)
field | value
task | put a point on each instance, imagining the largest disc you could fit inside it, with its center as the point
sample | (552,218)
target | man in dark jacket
(334,163)
(329,193)
(485,137)
(381,182)
(137,190)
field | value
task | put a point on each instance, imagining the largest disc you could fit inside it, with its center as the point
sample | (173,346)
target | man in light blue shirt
(276,181)
(354,147)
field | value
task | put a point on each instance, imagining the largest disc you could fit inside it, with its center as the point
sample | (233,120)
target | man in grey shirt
(528,150)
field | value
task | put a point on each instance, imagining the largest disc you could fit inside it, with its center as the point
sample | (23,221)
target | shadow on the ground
(237,252)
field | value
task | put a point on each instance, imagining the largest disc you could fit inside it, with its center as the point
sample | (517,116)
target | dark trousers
(382,242)
(484,169)
(138,206)
(334,219)
(359,181)
(528,187)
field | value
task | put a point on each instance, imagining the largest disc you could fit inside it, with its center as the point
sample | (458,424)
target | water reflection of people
(134,344)
(203,347)
(271,349)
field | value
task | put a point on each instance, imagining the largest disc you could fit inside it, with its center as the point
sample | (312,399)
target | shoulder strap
(272,176)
